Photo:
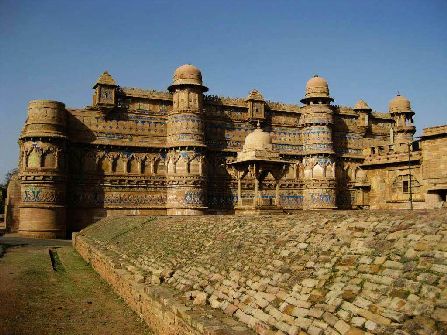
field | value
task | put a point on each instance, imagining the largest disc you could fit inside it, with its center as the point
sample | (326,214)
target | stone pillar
(186,181)
(239,189)
(256,196)
(43,172)
(277,200)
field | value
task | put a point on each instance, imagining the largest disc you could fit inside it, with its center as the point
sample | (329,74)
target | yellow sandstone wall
(434,165)
(12,209)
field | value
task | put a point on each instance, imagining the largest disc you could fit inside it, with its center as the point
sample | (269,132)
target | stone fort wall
(344,272)
(143,152)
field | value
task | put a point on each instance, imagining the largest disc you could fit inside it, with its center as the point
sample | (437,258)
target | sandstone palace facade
(182,152)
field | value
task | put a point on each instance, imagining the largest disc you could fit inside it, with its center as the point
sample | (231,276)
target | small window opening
(405,186)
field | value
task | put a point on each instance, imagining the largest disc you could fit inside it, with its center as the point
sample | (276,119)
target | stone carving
(176,151)
(44,195)
(120,199)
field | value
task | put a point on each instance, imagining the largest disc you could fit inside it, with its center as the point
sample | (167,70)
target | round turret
(399,104)
(317,88)
(185,139)
(258,140)
(46,118)
(42,170)
(187,75)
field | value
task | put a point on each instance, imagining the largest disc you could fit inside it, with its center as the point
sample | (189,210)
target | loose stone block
(342,327)
(330,318)
(440,314)
(312,330)
(370,325)
(309,282)
(358,321)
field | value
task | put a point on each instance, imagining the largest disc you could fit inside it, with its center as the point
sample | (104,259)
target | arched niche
(181,166)
(34,159)
(194,166)
(330,173)
(49,160)
(133,166)
(318,171)
(104,165)
(308,173)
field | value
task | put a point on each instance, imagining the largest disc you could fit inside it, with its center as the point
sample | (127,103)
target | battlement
(46,118)
(145,93)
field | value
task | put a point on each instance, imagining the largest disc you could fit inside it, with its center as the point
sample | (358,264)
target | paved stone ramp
(334,272)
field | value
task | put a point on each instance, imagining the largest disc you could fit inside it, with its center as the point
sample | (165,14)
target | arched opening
(34,159)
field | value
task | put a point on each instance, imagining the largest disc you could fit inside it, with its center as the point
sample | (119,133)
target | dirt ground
(73,299)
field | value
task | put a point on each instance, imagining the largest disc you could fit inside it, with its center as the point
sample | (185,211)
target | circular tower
(403,128)
(186,172)
(319,157)
(42,170)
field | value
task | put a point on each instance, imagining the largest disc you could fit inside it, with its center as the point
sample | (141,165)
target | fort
(134,175)
(182,152)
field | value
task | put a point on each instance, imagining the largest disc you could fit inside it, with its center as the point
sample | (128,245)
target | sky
(365,49)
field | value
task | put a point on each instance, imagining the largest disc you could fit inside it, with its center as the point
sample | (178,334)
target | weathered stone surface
(146,152)
(325,288)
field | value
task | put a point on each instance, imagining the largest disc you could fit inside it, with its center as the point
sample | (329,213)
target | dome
(316,87)
(399,104)
(258,140)
(361,104)
(187,75)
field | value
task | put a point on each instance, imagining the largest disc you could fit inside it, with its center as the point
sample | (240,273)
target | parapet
(45,118)
(435,131)
(391,153)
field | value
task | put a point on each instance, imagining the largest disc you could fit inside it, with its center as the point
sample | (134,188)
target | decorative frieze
(175,150)
(42,194)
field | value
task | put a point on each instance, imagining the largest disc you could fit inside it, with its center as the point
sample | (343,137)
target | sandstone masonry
(356,272)
(183,152)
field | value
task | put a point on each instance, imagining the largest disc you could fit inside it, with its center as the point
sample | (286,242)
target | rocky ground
(343,272)
(36,299)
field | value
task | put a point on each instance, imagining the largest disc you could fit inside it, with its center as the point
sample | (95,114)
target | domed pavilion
(258,160)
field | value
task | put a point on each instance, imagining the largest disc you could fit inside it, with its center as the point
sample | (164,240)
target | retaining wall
(337,272)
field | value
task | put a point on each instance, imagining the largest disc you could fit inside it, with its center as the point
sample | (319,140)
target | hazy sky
(365,49)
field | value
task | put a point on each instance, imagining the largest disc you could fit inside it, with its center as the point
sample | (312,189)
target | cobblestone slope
(343,272)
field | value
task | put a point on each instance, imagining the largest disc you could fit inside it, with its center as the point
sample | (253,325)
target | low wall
(158,306)
(322,272)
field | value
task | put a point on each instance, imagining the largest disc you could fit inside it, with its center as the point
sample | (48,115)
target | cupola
(258,140)
(187,75)
(105,91)
(317,89)
(399,104)
(256,106)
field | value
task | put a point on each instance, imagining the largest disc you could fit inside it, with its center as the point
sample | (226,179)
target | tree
(8,177)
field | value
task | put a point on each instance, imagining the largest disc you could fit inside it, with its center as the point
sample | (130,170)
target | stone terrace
(356,272)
